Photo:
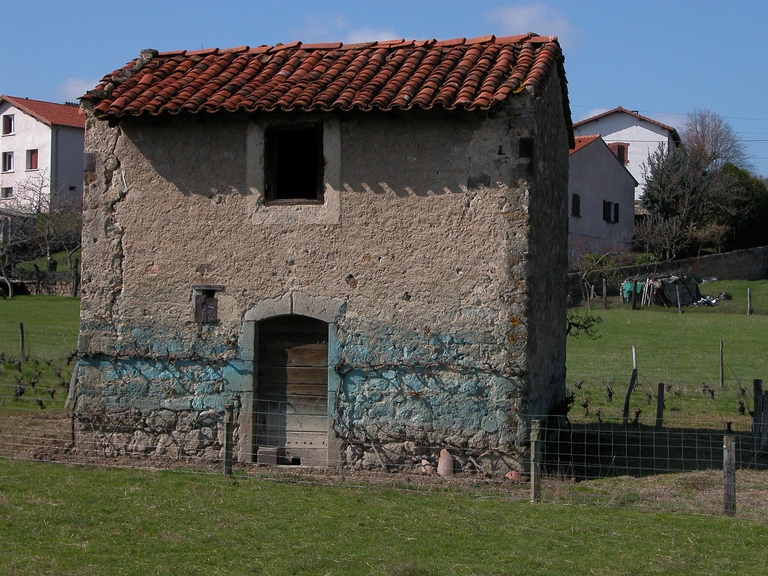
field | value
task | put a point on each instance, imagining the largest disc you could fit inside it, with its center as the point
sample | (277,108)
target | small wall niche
(206,303)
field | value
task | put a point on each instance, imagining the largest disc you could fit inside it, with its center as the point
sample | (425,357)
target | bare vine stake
(729,473)
(21,338)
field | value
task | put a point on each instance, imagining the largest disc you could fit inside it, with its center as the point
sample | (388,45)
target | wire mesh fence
(675,467)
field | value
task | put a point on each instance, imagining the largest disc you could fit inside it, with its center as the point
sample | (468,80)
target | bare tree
(710,135)
(35,223)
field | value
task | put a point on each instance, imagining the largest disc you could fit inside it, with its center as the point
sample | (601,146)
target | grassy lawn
(50,329)
(75,520)
(680,350)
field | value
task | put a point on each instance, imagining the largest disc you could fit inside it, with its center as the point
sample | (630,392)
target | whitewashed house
(601,194)
(41,150)
(631,136)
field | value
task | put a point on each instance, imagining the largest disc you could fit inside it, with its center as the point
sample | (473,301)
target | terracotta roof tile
(49,113)
(582,141)
(395,74)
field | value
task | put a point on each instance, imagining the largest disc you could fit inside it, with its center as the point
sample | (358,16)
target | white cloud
(337,29)
(536,17)
(73,88)
(368,35)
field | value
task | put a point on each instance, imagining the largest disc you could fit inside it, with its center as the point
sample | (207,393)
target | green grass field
(50,331)
(680,350)
(89,521)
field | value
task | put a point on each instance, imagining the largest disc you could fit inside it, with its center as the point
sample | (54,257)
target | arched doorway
(290,408)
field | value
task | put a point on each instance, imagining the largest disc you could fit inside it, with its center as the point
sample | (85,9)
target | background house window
(8,124)
(32,159)
(610,211)
(621,151)
(7,162)
(575,205)
(6,193)
(294,163)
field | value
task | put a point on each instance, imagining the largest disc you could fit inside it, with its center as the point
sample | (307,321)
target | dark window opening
(621,151)
(610,212)
(32,159)
(526,147)
(575,205)
(294,164)
(206,304)
(8,124)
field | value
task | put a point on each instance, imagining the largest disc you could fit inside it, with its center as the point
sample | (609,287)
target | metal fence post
(535,461)
(729,473)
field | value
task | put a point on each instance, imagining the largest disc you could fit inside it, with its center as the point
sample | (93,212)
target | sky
(663,59)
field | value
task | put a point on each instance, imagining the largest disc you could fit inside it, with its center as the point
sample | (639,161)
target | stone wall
(451,319)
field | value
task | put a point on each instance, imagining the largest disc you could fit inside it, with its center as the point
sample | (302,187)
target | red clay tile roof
(455,74)
(582,141)
(49,113)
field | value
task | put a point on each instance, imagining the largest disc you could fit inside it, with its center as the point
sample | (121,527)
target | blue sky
(661,58)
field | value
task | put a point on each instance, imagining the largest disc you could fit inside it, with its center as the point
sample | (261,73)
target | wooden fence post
(729,473)
(660,406)
(722,373)
(749,301)
(632,382)
(535,461)
(21,339)
(605,294)
(679,305)
(634,294)
(228,426)
(757,417)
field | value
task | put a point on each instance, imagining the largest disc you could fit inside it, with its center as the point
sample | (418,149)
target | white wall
(29,134)
(597,175)
(67,170)
(643,138)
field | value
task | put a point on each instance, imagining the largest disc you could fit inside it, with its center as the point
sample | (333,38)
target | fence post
(634,294)
(679,306)
(729,473)
(764,421)
(757,417)
(749,301)
(535,461)
(660,406)
(21,339)
(632,382)
(722,374)
(605,294)
(228,425)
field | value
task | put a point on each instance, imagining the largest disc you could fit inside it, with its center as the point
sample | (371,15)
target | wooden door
(292,390)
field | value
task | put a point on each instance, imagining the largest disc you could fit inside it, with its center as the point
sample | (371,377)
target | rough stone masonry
(436,260)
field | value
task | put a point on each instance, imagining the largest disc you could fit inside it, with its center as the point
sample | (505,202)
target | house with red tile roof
(632,136)
(601,194)
(41,146)
(355,253)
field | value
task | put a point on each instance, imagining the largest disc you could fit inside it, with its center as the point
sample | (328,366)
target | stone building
(360,248)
